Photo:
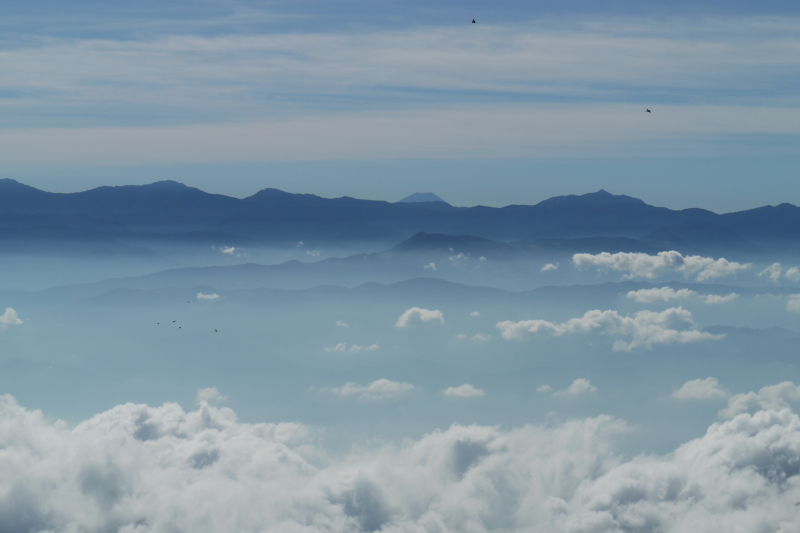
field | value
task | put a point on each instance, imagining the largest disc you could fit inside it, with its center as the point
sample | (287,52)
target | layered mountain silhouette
(171,210)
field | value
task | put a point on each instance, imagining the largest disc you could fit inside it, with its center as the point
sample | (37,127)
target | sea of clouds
(142,469)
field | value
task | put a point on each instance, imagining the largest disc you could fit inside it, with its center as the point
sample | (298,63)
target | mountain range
(171,210)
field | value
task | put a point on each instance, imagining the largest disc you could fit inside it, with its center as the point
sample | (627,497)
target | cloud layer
(644,329)
(141,469)
(377,390)
(668,294)
(637,264)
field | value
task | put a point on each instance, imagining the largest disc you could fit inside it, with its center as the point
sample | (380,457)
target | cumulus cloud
(9,318)
(773,397)
(142,469)
(644,329)
(775,271)
(463,391)
(792,303)
(714,299)
(417,315)
(637,264)
(481,337)
(668,294)
(550,266)
(203,296)
(209,394)
(660,294)
(230,250)
(457,256)
(312,253)
(701,389)
(354,348)
(475,314)
(430,266)
(578,387)
(342,324)
(377,390)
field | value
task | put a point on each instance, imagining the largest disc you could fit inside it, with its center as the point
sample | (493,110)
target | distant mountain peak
(422,197)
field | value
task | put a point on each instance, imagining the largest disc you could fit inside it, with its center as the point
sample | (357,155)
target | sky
(383,99)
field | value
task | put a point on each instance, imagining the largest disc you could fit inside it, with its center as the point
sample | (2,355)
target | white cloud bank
(644,329)
(140,469)
(463,391)
(642,265)
(377,390)
(792,303)
(9,318)
(416,315)
(668,294)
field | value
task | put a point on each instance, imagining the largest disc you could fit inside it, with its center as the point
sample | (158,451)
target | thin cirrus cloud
(135,465)
(463,391)
(379,389)
(9,318)
(641,265)
(668,294)
(418,316)
(643,330)
(205,95)
(576,388)
(353,348)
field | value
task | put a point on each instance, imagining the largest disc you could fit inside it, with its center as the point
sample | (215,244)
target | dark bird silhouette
(179,327)
(174,321)
(649,111)
(215,331)
(473,21)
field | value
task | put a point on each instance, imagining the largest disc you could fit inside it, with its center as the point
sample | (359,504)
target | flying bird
(215,331)
(649,111)
(473,21)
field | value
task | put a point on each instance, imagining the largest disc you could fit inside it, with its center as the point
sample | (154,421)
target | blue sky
(382,99)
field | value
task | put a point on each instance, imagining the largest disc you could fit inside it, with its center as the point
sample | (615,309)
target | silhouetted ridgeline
(168,209)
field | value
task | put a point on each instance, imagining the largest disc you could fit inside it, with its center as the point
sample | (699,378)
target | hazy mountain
(276,216)
(422,197)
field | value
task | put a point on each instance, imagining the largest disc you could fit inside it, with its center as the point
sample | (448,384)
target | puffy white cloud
(644,329)
(354,348)
(481,337)
(579,386)
(642,265)
(342,324)
(430,266)
(701,389)
(140,469)
(774,397)
(660,294)
(775,271)
(475,314)
(463,391)
(716,299)
(230,250)
(203,296)
(459,255)
(417,315)
(377,390)
(209,394)
(792,303)
(312,253)
(550,266)
(9,318)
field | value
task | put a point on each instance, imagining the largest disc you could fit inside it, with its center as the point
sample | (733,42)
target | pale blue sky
(382,99)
